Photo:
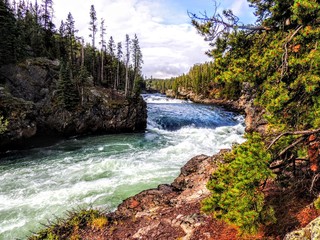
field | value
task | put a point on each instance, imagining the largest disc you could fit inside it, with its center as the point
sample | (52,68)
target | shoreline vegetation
(53,84)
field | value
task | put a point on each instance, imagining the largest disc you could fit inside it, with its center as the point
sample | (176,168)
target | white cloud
(169,44)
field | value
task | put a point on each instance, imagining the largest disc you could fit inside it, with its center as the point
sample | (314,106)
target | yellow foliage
(99,223)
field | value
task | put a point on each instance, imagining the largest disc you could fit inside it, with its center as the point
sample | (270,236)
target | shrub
(316,203)
(236,187)
(99,222)
(68,228)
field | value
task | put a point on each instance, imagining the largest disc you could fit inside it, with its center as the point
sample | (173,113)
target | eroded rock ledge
(29,101)
(169,211)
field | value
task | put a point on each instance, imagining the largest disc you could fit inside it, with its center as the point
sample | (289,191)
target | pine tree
(37,12)
(119,57)
(111,47)
(236,187)
(70,35)
(93,28)
(137,63)
(111,61)
(62,42)
(47,14)
(68,95)
(103,48)
(127,83)
(8,34)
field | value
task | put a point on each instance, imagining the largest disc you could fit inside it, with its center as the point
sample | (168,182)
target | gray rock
(310,232)
(28,100)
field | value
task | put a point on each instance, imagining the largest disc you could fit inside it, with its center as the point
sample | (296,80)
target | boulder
(310,232)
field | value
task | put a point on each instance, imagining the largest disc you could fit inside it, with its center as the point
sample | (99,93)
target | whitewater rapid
(101,171)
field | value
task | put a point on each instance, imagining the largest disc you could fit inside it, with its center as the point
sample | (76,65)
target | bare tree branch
(305,133)
(220,23)
(284,66)
(314,179)
(299,140)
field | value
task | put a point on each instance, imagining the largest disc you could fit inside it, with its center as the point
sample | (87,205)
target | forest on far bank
(28,31)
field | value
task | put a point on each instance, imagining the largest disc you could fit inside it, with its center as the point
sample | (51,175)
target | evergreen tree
(111,61)
(93,28)
(137,63)
(36,11)
(70,35)
(281,60)
(82,54)
(236,187)
(68,95)
(8,34)
(49,28)
(111,47)
(47,14)
(127,60)
(103,48)
(119,57)
(62,42)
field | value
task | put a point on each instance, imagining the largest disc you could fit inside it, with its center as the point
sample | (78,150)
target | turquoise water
(101,171)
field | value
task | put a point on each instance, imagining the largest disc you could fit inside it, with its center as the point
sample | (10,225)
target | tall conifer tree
(119,57)
(127,83)
(8,34)
(93,28)
(103,48)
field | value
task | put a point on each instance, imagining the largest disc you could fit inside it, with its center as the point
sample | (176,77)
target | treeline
(279,59)
(28,31)
(198,80)
(202,79)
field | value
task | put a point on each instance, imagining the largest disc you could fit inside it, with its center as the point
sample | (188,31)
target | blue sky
(170,45)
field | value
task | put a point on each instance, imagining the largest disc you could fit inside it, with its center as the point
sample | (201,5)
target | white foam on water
(99,171)
(162,99)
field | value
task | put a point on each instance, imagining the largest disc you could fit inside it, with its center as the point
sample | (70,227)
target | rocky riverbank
(173,211)
(245,104)
(29,101)
(167,212)
(170,211)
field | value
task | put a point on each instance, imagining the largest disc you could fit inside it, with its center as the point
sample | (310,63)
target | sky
(170,44)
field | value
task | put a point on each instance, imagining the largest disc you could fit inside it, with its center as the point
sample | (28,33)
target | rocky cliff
(28,100)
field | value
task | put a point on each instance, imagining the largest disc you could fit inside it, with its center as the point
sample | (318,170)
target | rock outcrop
(169,211)
(28,100)
(310,232)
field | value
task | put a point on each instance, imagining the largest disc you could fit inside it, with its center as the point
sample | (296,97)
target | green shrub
(236,187)
(316,203)
(67,229)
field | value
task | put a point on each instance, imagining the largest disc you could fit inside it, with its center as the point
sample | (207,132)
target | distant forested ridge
(279,58)
(28,31)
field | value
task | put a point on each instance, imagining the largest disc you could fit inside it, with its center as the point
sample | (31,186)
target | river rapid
(101,171)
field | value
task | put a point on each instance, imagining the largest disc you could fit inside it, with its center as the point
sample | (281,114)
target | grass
(69,228)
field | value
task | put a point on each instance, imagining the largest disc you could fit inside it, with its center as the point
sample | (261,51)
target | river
(100,171)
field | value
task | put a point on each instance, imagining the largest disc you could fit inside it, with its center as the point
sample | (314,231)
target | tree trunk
(102,66)
(116,83)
